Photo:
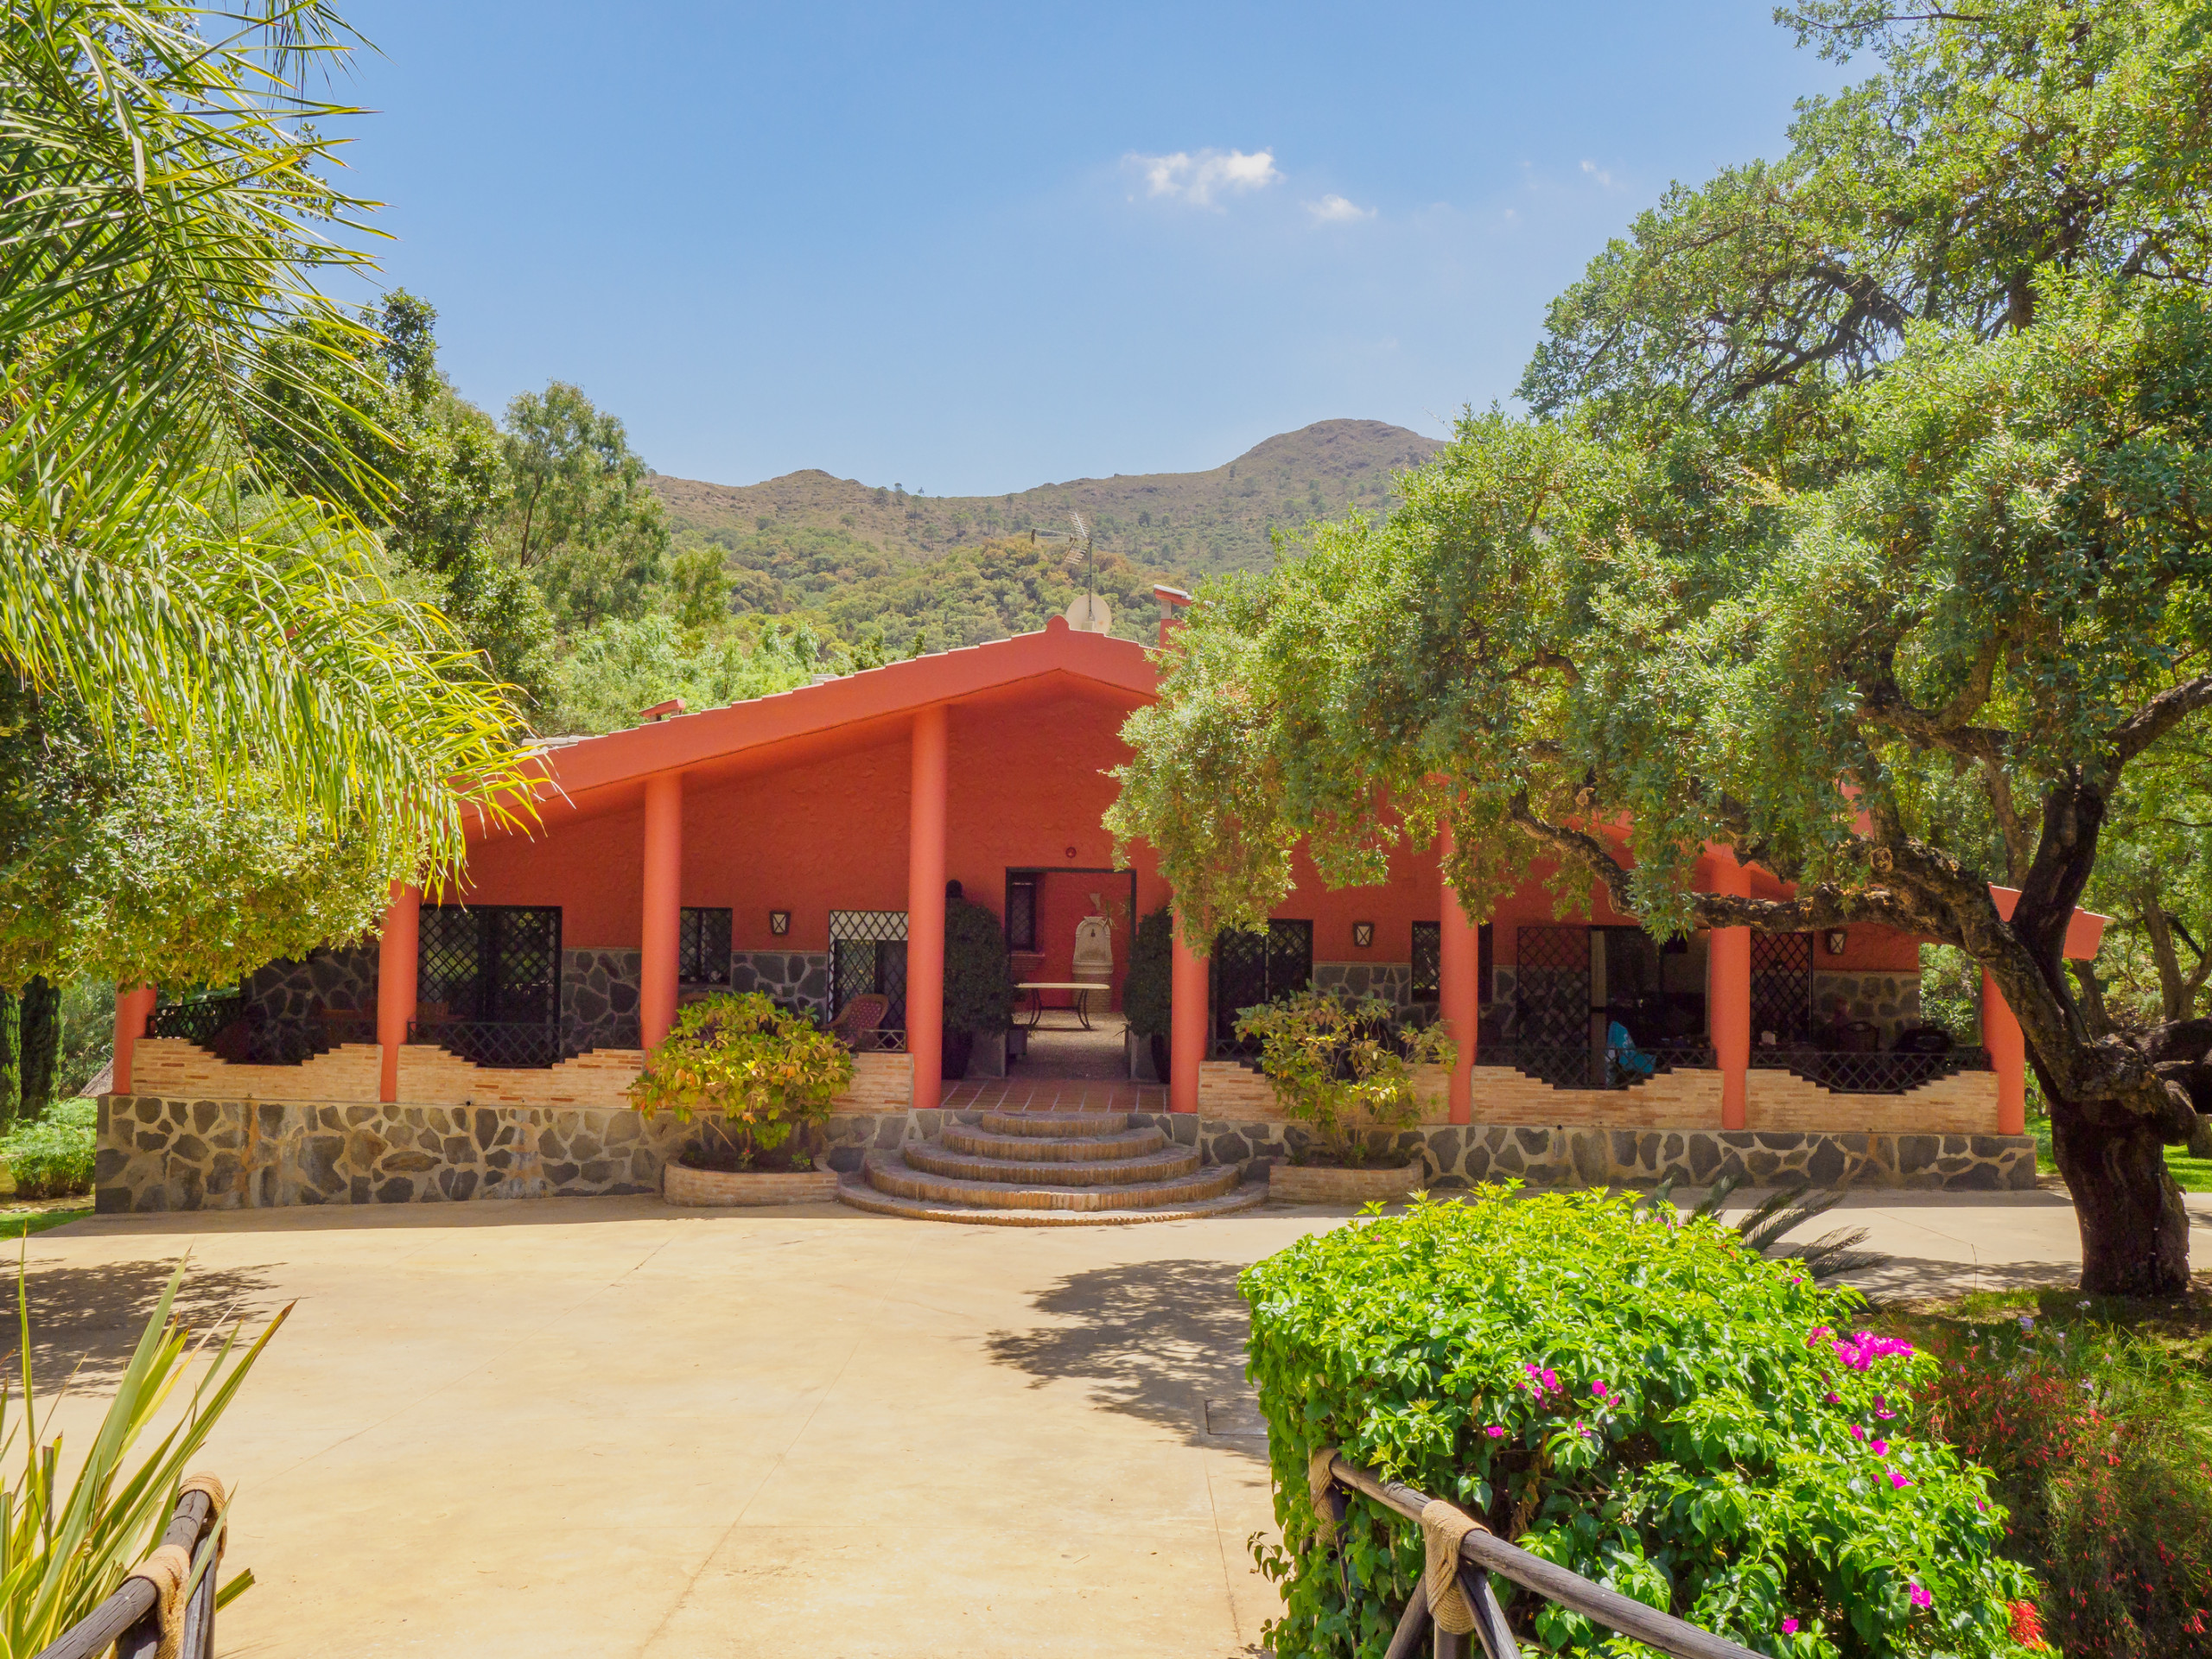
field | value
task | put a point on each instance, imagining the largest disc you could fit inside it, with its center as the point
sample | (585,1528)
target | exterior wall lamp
(1362,934)
(1837,939)
(779,922)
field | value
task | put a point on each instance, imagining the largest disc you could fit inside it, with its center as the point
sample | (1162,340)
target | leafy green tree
(613,670)
(140,865)
(414,461)
(700,586)
(167,214)
(584,521)
(1869,484)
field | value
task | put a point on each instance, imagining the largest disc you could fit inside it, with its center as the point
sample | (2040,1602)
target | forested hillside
(1195,524)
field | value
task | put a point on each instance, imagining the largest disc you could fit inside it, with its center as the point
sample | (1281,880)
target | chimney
(1174,601)
(662,711)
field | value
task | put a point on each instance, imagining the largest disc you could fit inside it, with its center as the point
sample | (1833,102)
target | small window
(702,947)
(1429,960)
(1021,912)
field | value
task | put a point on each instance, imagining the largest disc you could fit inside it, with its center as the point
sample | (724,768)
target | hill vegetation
(847,556)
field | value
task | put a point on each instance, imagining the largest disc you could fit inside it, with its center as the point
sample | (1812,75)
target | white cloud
(1593,170)
(1198,179)
(1335,209)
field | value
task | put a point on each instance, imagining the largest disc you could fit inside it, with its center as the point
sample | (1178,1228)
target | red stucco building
(802,843)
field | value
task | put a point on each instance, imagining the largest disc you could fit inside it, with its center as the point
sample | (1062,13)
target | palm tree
(163,214)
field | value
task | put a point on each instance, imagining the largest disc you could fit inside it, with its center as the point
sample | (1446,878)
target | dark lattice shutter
(1429,961)
(1551,987)
(702,947)
(1782,986)
(868,952)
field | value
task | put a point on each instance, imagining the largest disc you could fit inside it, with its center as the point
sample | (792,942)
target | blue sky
(974,248)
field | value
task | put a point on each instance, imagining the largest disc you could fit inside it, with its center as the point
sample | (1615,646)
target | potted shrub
(1345,1069)
(979,993)
(1147,991)
(762,1078)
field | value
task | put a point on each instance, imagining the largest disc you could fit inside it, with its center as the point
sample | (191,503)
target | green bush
(1638,1398)
(1344,1067)
(763,1071)
(53,1155)
(1147,991)
(979,994)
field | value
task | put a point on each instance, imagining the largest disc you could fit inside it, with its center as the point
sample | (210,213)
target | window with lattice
(702,939)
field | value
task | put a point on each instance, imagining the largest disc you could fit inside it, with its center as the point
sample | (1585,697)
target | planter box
(1308,1184)
(1140,1066)
(987,1058)
(715,1187)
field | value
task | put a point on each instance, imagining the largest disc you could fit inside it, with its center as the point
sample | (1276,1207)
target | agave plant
(64,1550)
(1766,1225)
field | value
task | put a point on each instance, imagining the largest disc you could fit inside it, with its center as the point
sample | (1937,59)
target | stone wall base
(161,1155)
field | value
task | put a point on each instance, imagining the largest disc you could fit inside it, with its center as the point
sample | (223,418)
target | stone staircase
(1036,1169)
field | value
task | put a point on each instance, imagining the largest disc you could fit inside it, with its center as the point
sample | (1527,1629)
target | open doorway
(1055,915)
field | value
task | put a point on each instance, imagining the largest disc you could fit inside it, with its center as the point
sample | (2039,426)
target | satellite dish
(1087,613)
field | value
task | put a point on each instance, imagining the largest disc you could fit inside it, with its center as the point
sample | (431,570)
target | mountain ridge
(1180,525)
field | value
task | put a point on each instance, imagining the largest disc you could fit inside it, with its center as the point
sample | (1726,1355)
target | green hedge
(1635,1397)
(53,1155)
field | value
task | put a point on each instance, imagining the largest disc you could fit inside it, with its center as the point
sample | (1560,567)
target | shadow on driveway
(1156,1340)
(85,1321)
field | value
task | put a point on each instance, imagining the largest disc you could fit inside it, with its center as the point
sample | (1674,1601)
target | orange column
(1190,1000)
(664,897)
(1728,1009)
(925,909)
(2008,1058)
(132,1010)
(1458,960)
(396,961)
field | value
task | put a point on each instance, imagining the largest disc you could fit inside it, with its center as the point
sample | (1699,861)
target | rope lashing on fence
(1321,1486)
(169,1569)
(1444,1525)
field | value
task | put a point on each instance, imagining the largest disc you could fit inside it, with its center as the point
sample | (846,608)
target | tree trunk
(2134,1230)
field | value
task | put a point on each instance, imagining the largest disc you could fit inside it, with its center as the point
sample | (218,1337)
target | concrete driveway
(601,1426)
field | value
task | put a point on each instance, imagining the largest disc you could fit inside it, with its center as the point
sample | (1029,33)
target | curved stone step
(1055,1126)
(860,1196)
(1130,1143)
(1154,1165)
(889,1173)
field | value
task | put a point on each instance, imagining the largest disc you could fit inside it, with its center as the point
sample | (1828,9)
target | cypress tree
(39,1043)
(11,1059)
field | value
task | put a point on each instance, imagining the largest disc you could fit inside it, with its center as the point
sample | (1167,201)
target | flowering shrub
(1638,1398)
(2107,1482)
(764,1072)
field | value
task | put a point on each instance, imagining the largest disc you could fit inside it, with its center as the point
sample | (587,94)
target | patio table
(1081,989)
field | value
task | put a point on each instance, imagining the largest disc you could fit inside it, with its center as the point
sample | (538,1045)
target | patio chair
(858,1021)
(1627,1059)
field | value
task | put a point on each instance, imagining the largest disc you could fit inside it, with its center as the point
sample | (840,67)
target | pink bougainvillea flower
(1789,1627)
(1819,1331)
(1857,1433)
(1885,1415)
(1879,1448)
(1835,1399)
(1897,1479)
(1599,1389)
(1496,1431)
(1920,1597)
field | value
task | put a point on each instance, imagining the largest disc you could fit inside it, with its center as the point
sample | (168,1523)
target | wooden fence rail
(1483,1553)
(131,1620)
